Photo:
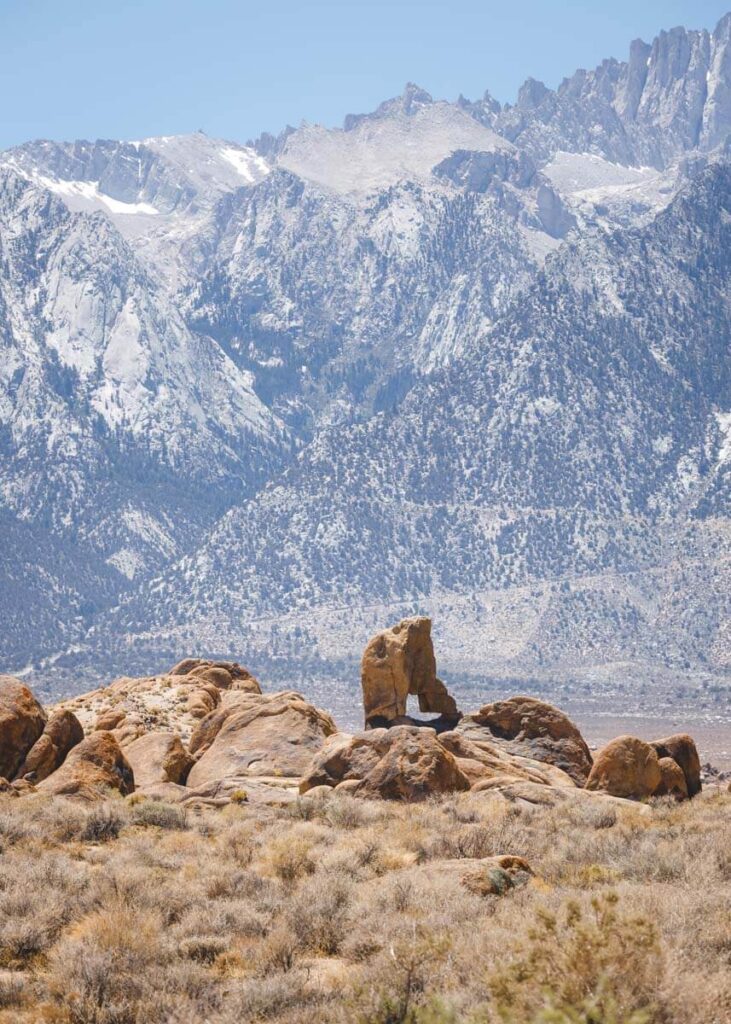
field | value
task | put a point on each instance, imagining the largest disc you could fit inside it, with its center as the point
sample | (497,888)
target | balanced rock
(158,757)
(22,721)
(626,767)
(62,732)
(396,663)
(534,729)
(402,763)
(92,768)
(260,735)
(683,751)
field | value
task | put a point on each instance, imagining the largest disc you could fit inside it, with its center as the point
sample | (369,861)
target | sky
(130,69)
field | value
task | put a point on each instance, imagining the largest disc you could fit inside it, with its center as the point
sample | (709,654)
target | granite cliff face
(454,358)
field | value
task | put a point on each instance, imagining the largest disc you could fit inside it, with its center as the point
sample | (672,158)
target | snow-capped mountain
(453,356)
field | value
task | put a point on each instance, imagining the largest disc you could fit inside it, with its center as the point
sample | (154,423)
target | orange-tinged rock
(396,663)
(626,767)
(682,749)
(538,730)
(22,721)
(401,763)
(158,757)
(62,732)
(93,768)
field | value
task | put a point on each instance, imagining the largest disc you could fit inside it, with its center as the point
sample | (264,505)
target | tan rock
(398,662)
(537,730)
(224,674)
(93,768)
(626,767)
(673,780)
(482,759)
(683,751)
(203,699)
(22,721)
(401,763)
(62,732)
(158,757)
(110,718)
(265,735)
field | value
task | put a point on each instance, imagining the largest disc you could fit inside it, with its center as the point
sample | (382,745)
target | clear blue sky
(133,68)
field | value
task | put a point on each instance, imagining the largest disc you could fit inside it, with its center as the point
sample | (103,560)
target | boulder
(158,757)
(223,674)
(62,732)
(626,767)
(534,729)
(480,759)
(396,663)
(401,763)
(22,721)
(683,751)
(110,718)
(260,735)
(93,768)
(672,781)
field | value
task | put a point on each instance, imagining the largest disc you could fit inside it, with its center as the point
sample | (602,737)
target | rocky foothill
(204,733)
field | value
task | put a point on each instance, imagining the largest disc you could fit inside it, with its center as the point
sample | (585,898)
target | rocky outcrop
(62,732)
(626,767)
(683,751)
(262,735)
(93,768)
(399,662)
(534,729)
(22,721)
(225,675)
(174,701)
(158,757)
(402,763)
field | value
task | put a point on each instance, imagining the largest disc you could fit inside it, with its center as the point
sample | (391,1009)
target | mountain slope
(570,451)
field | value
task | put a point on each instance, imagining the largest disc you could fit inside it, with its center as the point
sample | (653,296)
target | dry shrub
(156,814)
(597,963)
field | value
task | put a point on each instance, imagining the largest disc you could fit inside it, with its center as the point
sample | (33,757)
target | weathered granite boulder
(532,728)
(683,751)
(396,663)
(158,757)
(22,721)
(402,763)
(626,767)
(672,782)
(262,735)
(225,675)
(93,768)
(62,732)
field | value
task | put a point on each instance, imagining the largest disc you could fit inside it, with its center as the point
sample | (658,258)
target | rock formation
(22,721)
(62,732)
(93,768)
(401,763)
(672,779)
(534,729)
(399,662)
(682,750)
(262,735)
(626,767)
(158,757)
(203,733)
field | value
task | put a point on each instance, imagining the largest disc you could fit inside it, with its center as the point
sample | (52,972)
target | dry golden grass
(338,911)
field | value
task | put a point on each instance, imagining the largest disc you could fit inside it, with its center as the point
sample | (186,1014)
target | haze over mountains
(453,358)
